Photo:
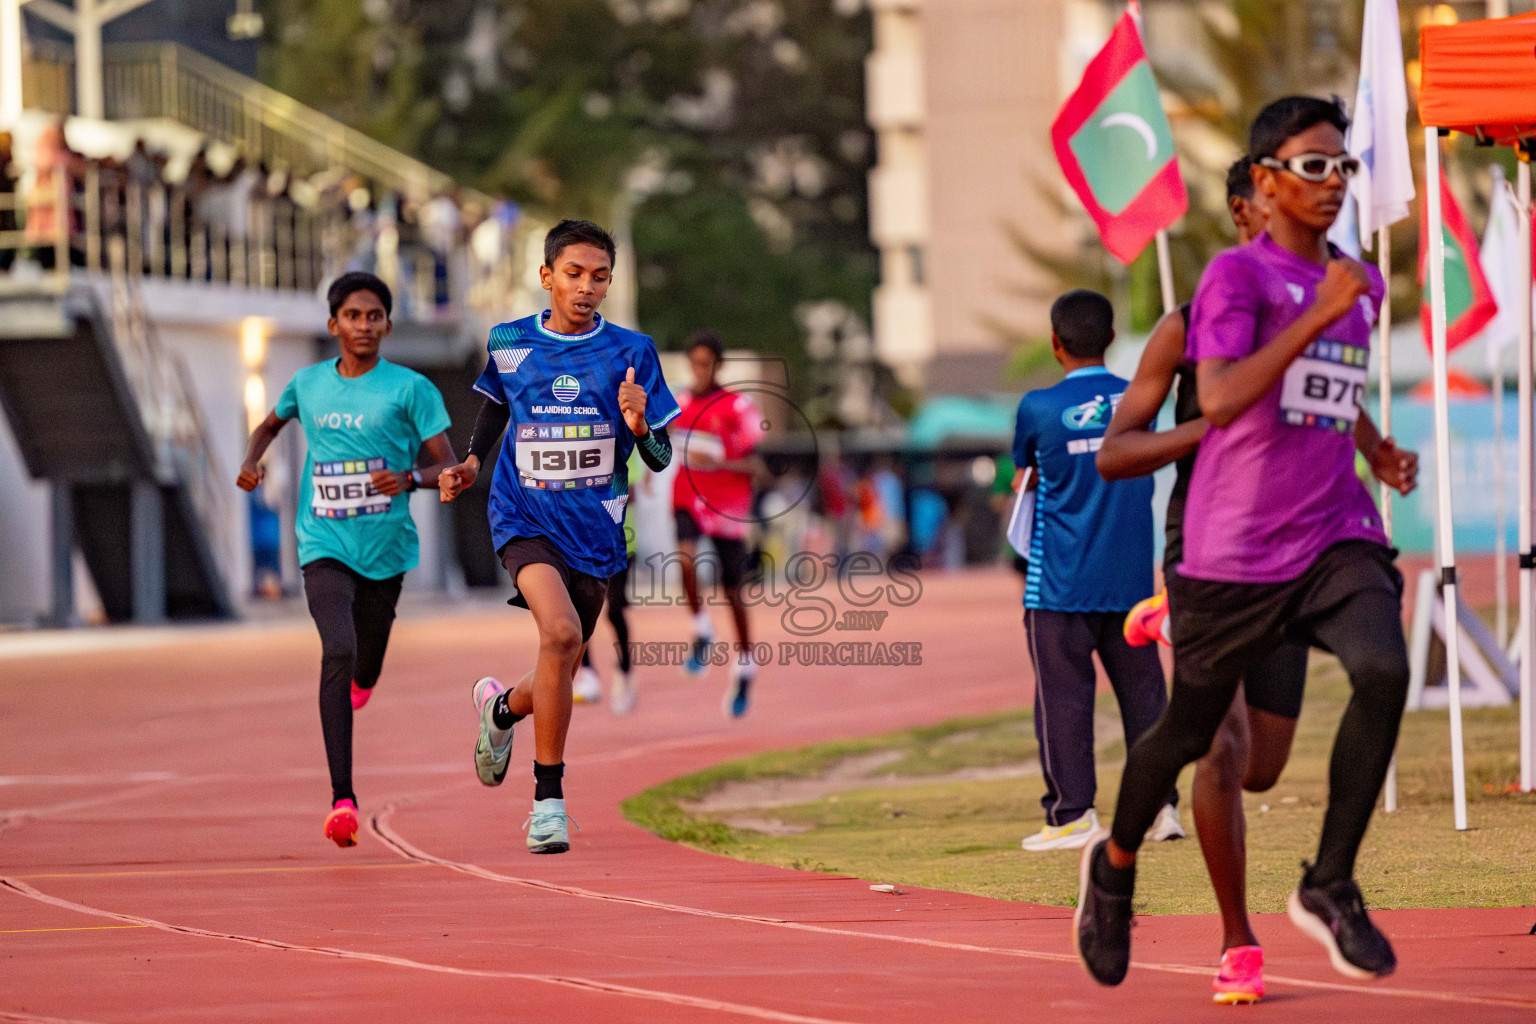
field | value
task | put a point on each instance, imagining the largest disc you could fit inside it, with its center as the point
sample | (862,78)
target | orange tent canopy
(1479,77)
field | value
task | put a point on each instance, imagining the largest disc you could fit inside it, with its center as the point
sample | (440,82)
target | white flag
(1345,232)
(1379,135)
(1500,255)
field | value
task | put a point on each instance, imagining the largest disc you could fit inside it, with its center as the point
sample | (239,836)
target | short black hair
(576,232)
(705,338)
(1240,178)
(1292,115)
(1084,321)
(359,281)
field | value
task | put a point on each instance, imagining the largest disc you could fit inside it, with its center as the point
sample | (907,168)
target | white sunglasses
(1316,167)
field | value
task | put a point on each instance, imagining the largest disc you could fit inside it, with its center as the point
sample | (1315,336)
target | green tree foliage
(731,131)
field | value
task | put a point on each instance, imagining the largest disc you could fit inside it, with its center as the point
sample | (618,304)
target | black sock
(501,716)
(1120,881)
(546,781)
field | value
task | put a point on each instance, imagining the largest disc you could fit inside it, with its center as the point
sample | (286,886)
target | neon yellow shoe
(1074,835)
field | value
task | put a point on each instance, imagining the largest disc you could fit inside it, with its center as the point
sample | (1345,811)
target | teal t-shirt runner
(354,426)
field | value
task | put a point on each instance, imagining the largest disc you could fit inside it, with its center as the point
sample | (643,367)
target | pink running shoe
(1146,623)
(341,824)
(1241,978)
(360,696)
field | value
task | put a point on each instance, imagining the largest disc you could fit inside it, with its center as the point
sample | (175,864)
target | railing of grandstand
(143,80)
(221,235)
(162,386)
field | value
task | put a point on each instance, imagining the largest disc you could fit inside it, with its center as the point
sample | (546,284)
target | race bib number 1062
(1324,386)
(343,490)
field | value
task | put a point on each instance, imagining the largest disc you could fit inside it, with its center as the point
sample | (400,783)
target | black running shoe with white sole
(1101,926)
(1334,915)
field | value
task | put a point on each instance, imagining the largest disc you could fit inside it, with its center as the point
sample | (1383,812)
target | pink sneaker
(341,823)
(1241,978)
(1147,623)
(360,696)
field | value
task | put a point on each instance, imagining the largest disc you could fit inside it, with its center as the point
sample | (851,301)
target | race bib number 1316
(565,456)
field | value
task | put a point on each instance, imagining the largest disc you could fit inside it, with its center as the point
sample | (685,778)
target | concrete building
(961,95)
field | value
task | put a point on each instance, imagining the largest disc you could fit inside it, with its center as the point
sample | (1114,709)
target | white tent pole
(1445,547)
(1384,409)
(1527,429)
(1500,514)
(1165,272)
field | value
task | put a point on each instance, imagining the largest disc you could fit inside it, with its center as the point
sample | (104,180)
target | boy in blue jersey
(580,394)
(365,420)
(1090,561)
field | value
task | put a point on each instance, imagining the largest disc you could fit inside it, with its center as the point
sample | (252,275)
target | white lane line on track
(378,824)
(13,1017)
(565,981)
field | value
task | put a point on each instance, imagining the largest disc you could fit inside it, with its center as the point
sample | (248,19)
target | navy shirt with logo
(562,473)
(1091,548)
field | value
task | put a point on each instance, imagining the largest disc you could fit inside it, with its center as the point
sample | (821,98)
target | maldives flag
(1114,146)
(1469,302)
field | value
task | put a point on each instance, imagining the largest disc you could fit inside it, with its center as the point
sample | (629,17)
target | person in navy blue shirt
(579,394)
(1090,561)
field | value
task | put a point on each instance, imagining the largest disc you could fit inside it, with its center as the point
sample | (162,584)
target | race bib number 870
(1324,387)
(565,456)
(343,490)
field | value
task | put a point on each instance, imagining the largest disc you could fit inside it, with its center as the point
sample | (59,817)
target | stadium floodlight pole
(84,21)
(1445,540)
(1527,435)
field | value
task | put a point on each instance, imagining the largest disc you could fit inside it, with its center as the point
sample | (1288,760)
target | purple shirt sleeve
(1224,319)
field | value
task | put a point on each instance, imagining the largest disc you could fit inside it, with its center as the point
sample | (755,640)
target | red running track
(161,800)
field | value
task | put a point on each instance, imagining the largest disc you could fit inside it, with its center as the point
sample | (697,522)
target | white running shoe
(586,688)
(1074,835)
(546,827)
(1166,826)
(621,695)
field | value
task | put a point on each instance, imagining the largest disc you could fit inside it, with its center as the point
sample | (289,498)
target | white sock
(746,666)
(702,626)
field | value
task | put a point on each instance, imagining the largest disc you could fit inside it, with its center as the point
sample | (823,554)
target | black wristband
(413,480)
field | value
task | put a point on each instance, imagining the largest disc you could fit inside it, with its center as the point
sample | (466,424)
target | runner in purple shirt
(1282,542)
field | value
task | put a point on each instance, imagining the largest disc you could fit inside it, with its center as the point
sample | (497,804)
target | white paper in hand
(1021,524)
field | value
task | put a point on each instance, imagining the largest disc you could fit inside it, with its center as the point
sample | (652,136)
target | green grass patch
(962,834)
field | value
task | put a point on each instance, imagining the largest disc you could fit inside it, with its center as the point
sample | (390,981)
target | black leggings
(1365,632)
(353,614)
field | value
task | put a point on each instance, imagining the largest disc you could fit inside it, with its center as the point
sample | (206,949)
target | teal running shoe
(546,827)
(490,761)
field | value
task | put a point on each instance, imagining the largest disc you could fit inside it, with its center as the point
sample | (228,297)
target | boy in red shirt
(712,497)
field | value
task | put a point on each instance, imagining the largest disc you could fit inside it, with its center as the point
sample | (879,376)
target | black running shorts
(1248,627)
(587,592)
(732,551)
(1276,683)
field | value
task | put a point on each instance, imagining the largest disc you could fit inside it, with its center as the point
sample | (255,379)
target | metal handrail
(169,80)
(162,386)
